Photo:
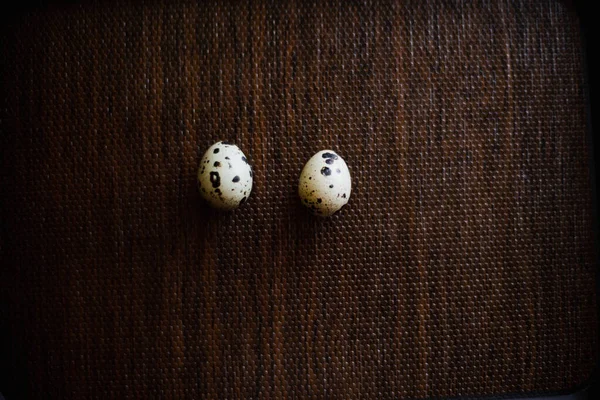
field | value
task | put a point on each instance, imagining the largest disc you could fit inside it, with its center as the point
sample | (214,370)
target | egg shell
(325,184)
(224,176)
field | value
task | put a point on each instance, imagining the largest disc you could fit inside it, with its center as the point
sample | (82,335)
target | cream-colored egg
(325,183)
(224,176)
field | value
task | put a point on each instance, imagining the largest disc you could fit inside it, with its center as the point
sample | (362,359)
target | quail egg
(224,176)
(325,183)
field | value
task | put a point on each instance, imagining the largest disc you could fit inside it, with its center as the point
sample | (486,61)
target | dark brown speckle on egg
(215,179)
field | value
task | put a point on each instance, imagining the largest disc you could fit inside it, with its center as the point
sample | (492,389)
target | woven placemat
(463,264)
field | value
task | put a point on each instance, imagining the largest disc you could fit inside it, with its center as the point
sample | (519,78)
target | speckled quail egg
(224,176)
(325,183)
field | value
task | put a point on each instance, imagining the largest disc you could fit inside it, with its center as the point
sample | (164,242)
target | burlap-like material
(462,265)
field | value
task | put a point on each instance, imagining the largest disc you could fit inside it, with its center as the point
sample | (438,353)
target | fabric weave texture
(463,264)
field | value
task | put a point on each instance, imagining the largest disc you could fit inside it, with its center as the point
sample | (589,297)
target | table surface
(463,264)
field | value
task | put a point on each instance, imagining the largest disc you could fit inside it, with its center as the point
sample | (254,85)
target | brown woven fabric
(462,265)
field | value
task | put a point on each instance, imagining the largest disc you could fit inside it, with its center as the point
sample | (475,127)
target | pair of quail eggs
(225,179)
